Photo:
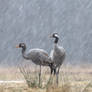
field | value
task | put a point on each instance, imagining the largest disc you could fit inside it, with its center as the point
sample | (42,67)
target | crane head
(54,35)
(21,45)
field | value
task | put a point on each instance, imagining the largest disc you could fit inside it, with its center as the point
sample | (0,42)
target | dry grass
(78,79)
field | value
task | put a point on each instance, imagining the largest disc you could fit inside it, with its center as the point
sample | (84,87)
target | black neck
(23,53)
(56,40)
(23,49)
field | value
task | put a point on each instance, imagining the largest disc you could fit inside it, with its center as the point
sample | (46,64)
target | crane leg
(57,75)
(54,71)
(40,76)
(51,71)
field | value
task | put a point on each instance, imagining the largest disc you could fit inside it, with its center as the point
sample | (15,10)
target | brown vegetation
(71,79)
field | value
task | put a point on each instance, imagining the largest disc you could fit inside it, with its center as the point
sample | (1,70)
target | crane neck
(55,46)
(24,53)
(56,40)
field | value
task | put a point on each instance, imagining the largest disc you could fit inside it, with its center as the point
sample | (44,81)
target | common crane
(37,56)
(57,55)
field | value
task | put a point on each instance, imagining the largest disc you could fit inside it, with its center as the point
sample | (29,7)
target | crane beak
(17,46)
(50,36)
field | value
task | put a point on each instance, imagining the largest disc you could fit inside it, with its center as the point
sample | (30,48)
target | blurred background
(32,21)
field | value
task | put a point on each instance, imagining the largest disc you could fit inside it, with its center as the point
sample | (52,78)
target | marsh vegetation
(78,79)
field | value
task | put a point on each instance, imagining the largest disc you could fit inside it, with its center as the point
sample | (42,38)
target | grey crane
(57,55)
(37,56)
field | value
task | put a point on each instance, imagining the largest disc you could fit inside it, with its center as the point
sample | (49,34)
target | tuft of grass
(30,79)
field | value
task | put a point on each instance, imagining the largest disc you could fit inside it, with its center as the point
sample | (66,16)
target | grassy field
(71,79)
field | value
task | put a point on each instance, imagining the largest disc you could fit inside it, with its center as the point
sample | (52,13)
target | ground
(71,79)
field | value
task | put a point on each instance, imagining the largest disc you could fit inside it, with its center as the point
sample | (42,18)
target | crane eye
(56,35)
(22,45)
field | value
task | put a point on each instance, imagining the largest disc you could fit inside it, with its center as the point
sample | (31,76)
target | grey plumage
(39,57)
(57,55)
